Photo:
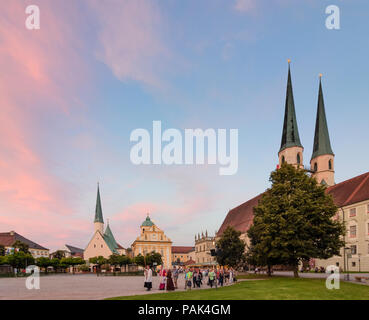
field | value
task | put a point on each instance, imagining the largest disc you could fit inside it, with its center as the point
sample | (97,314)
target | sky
(72,92)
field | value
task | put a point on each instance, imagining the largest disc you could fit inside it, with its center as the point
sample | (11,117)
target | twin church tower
(291,151)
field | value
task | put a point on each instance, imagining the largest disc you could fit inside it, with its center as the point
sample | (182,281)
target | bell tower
(322,159)
(291,150)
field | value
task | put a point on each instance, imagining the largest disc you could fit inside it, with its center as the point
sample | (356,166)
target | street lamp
(347,252)
(359,254)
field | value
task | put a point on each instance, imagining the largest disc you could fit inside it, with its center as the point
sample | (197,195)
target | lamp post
(346,252)
(344,244)
(359,254)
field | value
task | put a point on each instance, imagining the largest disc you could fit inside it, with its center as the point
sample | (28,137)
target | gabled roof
(7,239)
(351,191)
(348,192)
(322,143)
(74,249)
(182,249)
(241,217)
(290,134)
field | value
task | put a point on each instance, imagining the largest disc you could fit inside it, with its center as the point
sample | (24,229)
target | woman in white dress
(148,278)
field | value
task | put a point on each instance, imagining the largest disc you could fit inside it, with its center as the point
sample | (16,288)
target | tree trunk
(296,271)
(269,271)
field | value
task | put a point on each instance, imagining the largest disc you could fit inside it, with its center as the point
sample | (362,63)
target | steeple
(290,134)
(322,143)
(291,148)
(99,221)
(322,159)
(98,210)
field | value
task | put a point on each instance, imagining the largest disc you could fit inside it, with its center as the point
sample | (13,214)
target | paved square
(79,287)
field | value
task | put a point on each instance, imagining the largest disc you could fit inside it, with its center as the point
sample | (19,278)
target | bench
(358,279)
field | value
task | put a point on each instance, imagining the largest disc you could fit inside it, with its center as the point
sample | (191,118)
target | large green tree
(154,257)
(99,261)
(59,254)
(139,260)
(21,246)
(72,262)
(20,260)
(43,262)
(293,221)
(230,248)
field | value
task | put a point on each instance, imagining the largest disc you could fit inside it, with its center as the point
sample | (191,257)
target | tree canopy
(230,248)
(293,221)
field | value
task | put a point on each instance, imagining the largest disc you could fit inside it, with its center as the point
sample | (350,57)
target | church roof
(147,222)
(348,192)
(322,143)
(351,191)
(290,134)
(241,217)
(98,210)
(110,240)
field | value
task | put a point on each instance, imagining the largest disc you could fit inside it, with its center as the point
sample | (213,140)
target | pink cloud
(130,39)
(35,80)
(244,6)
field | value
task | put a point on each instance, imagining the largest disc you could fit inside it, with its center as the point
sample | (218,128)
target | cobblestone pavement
(79,287)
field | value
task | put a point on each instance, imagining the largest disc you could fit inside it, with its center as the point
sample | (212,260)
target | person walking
(221,278)
(163,279)
(148,278)
(189,276)
(175,277)
(211,277)
(170,285)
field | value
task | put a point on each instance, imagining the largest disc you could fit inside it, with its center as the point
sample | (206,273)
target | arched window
(315,167)
(283,159)
(298,159)
(330,164)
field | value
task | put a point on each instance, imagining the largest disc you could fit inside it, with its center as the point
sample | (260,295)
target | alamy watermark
(33,280)
(333,280)
(333,20)
(181,151)
(33,18)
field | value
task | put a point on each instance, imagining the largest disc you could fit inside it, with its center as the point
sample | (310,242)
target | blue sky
(105,68)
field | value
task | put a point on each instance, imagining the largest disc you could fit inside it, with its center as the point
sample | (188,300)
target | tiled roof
(241,217)
(351,191)
(74,249)
(189,262)
(8,238)
(182,249)
(345,193)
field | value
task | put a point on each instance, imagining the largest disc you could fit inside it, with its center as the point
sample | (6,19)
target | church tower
(322,160)
(291,150)
(99,221)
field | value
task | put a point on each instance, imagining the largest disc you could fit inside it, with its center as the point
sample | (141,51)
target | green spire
(110,240)
(322,144)
(290,134)
(98,210)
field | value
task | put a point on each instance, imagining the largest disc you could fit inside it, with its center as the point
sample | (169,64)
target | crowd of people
(193,277)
